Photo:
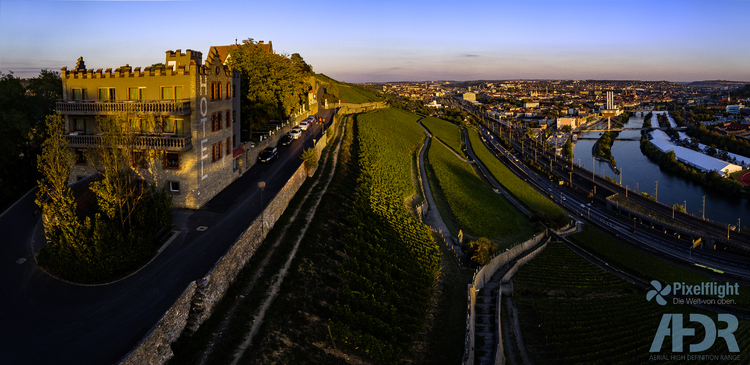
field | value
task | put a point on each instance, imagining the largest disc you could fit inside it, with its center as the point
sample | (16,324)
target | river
(640,174)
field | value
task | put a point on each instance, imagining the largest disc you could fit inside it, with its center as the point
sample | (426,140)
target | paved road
(47,321)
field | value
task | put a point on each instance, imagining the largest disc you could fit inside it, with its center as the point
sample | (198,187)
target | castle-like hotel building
(184,117)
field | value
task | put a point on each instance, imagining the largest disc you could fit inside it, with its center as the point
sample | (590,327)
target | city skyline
(391,41)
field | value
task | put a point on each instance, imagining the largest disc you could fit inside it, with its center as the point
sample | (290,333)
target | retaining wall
(481,277)
(499,351)
(197,302)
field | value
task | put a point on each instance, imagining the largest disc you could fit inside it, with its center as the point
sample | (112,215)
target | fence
(196,303)
(481,277)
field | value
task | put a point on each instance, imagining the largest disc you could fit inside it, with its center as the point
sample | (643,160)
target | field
(446,132)
(573,312)
(534,200)
(478,210)
(643,265)
(392,264)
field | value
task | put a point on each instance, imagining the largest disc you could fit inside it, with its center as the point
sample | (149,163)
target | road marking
(201,228)
(21,260)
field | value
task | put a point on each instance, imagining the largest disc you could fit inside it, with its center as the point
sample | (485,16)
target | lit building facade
(184,117)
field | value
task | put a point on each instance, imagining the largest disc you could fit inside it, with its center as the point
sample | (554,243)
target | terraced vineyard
(392,263)
(643,265)
(446,132)
(477,209)
(573,312)
(534,200)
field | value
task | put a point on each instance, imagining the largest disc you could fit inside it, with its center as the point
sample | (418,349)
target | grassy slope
(533,199)
(477,209)
(446,132)
(348,93)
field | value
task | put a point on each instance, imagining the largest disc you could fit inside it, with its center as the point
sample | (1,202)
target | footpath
(431,216)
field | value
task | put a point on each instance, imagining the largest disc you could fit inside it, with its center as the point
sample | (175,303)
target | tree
(121,190)
(46,90)
(117,238)
(17,152)
(310,158)
(568,148)
(272,86)
(55,198)
(481,250)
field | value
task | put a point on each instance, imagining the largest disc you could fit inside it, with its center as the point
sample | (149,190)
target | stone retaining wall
(481,277)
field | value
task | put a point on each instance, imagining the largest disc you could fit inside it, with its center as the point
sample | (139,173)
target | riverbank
(668,161)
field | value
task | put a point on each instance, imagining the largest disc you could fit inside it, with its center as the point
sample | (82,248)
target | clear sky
(404,40)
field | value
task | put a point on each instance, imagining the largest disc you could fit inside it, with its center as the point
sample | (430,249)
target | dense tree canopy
(22,129)
(273,86)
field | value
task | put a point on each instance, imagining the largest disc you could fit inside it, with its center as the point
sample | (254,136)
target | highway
(48,321)
(595,213)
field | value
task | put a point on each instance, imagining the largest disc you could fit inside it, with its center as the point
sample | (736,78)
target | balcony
(163,142)
(155,107)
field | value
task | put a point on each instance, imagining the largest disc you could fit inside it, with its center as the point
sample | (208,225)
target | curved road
(47,321)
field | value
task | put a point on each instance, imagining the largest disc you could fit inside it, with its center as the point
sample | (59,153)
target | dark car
(268,154)
(286,139)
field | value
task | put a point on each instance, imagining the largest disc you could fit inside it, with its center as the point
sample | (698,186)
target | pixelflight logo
(673,324)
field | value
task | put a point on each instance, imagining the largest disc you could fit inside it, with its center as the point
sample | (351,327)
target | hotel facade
(184,117)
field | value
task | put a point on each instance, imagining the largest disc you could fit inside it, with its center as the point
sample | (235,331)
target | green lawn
(478,210)
(446,131)
(532,199)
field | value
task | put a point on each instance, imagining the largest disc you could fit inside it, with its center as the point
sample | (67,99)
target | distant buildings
(469,96)
(571,122)
(184,117)
(734,109)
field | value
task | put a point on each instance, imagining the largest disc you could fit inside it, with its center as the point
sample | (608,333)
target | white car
(296,132)
(303,125)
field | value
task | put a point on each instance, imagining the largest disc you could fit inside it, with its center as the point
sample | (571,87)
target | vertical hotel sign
(204,113)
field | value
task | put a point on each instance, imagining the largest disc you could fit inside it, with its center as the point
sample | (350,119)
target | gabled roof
(223,51)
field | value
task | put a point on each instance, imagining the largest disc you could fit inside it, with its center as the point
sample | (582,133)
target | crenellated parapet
(127,72)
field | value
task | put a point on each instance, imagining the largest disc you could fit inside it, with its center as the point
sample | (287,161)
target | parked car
(304,124)
(268,154)
(286,139)
(296,132)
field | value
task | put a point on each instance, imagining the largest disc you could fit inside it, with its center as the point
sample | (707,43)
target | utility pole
(626,190)
(620,176)
(593,169)
(703,215)
(657,190)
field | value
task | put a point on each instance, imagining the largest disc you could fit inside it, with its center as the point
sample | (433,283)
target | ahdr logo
(658,292)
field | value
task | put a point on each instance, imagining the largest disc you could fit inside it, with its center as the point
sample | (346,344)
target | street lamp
(261,186)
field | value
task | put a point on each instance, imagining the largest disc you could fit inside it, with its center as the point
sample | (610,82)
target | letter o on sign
(204,107)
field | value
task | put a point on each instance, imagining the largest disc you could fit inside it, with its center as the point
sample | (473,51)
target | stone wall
(154,348)
(499,351)
(481,277)
(197,302)
(349,108)
(520,262)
